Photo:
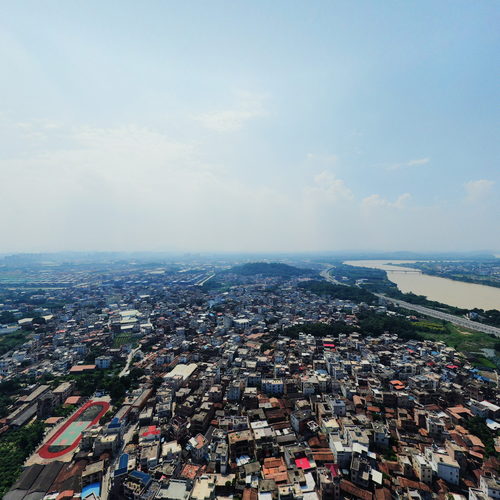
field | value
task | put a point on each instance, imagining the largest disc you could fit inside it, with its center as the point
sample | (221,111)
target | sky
(249,126)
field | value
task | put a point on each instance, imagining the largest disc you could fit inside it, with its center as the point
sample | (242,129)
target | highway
(202,281)
(326,274)
(456,320)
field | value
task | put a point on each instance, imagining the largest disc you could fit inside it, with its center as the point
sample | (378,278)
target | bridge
(405,271)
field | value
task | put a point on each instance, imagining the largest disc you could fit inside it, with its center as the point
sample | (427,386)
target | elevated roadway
(433,313)
(456,320)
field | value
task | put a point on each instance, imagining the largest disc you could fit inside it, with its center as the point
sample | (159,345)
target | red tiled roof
(352,489)
(72,400)
(303,463)
(250,494)
(416,485)
(52,420)
(152,431)
(323,456)
(81,368)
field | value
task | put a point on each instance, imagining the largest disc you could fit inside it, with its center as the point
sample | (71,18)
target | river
(451,292)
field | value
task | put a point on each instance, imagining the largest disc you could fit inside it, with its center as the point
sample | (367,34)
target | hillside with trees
(342,292)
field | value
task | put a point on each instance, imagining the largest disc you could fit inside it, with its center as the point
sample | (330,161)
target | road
(106,480)
(204,280)
(127,364)
(328,277)
(456,320)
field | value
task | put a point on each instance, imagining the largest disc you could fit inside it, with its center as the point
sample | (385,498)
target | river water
(451,292)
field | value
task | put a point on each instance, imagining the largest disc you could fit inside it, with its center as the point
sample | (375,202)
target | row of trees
(88,383)
(342,292)
(370,323)
(15,447)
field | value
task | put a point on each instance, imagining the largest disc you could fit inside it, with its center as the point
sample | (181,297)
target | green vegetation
(272,269)
(265,346)
(373,279)
(491,317)
(453,336)
(467,341)
(318,329)
(15,447)
(10,341)
(378,282)
(102,380)
(370,324)
(6,317)
(481,272)
(342,292)
(5,402)
(478,427)
(124,338)
(63,411)
(377,324)
(7,389)
(215,285)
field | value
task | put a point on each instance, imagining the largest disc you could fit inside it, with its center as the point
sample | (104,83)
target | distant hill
(270,269)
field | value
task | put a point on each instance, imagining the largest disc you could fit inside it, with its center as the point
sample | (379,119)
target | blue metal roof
(141,476)
(94,488)
(115,422)
(123,462)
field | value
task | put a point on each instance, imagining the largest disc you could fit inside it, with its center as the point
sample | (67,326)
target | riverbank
(376,281)
(461,295)
(479,273)
(456,320)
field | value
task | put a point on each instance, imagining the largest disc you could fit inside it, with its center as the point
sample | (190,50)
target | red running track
(45,451)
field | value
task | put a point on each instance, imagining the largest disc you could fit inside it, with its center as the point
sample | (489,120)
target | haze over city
(250,250)
(249,126)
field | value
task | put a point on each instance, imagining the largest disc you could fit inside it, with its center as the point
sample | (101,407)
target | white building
(341,453)
(446,468)
(234,391)
(423,469)
(338,407)
(273,386)
(490,484)
(103,362)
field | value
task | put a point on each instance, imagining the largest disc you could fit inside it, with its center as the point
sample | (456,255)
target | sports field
(69,435)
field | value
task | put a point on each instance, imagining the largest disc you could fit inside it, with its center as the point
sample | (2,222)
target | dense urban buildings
(254,382)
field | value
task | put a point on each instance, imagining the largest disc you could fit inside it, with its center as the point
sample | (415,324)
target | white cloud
(377,201)
(132,187)
(248,107)
(327,187)
(137,188)
(401,200)
(477,190)
(412,163)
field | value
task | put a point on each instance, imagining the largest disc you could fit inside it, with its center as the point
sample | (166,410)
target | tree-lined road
(456,320)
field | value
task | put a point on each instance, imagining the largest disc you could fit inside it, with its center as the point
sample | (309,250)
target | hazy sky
(249,125)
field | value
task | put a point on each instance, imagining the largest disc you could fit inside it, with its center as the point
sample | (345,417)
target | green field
(461,339)
(124,338)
